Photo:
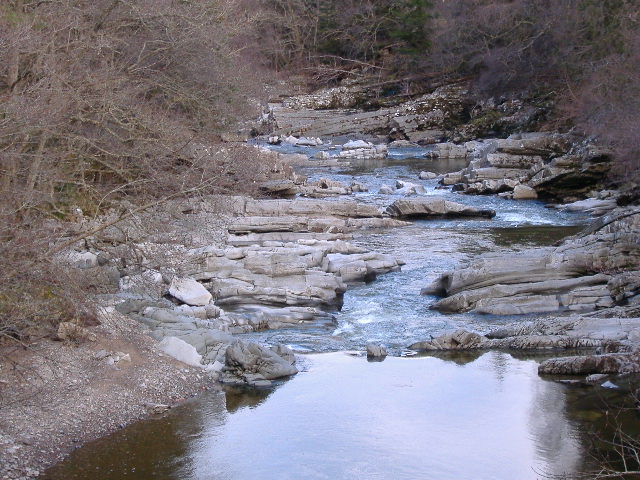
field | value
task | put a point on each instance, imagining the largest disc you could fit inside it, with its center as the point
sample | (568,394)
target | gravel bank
(56,396)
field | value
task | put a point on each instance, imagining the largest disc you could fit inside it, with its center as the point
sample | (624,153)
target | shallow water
(344,417)
(390,310)
(458,416)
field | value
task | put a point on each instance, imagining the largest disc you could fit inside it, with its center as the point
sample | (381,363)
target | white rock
(309,141)
(409,188)
(427,175)
(82,259)
(355,144)
(181,350)
(609,384)
(290,139)
(386,190)
(189,291)
(523,192)
(321,155)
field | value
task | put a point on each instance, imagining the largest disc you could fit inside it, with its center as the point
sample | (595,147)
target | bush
(105,101)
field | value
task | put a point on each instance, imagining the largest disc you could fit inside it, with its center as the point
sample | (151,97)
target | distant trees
(316,32)
(583,53)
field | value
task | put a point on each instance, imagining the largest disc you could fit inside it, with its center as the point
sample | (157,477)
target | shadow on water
(237,398)
(458,358)
(533,236)
(155,448)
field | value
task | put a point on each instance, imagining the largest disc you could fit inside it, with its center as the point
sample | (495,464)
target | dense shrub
(107,100)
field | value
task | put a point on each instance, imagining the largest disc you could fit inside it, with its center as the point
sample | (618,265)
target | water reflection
(488,416)
(237,398)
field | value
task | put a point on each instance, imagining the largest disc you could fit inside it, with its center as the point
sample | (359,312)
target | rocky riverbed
(213,276)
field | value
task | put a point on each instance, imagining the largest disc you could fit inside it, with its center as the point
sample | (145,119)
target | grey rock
(434,207)
(285,352)
(427,175)
(553,278)
(423,119)
(524,192)
(590,364)
(596,378)
(458,340)
(284,187)
(447,150)
(376,351)
(82,260)
(181,350)
(252,364)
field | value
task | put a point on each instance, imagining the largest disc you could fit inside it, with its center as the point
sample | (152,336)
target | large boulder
(573,175)
(434,207)
(283,188)
(458,340)
(447,150)
(189,291)
(524,192)
(181,350)
(251,364)
(376,351)
(425,119)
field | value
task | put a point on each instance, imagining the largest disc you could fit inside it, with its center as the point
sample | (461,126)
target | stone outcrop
(574,174)
(553,165)
(447,150)
(621,363)
(434,207)
(594,206)
(619,331)
(614,337)
(425,119)
(290,274)
(248,363)
(283,263)
(450,112)
(362,150)
(307,216)
(323,188)
(584,273)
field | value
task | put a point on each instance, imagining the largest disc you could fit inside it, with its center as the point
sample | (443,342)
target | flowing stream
(481,416)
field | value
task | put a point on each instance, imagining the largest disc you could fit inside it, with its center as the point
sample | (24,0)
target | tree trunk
(13,70)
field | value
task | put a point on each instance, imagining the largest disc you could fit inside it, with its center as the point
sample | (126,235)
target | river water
(463,416)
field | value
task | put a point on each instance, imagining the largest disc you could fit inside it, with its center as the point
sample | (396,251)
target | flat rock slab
(591,364)
(435,207)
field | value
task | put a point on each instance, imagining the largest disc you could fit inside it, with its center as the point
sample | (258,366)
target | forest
(103,103)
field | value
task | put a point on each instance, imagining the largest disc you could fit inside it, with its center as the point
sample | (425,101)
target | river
(481,416)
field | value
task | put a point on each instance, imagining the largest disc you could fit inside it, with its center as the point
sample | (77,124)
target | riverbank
(58,395)
(197,274)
